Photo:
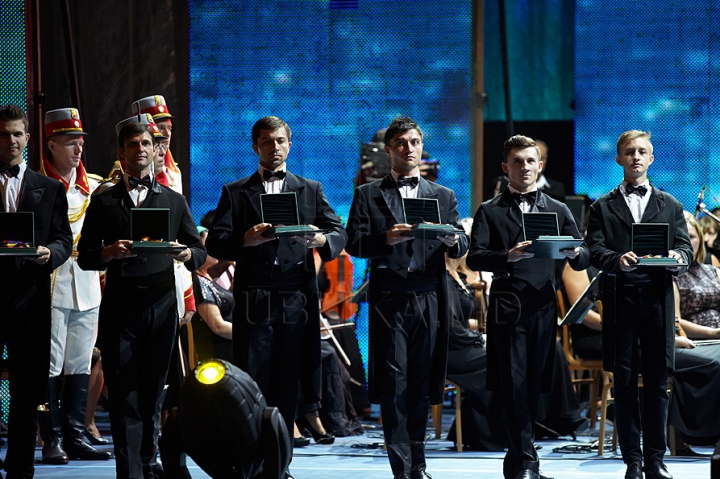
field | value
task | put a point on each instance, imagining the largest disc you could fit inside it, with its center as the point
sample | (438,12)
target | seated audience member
(710,229)
(696,390)
(212,324)
(699,290)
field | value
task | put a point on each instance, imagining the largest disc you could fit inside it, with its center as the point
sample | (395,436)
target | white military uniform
(76,296)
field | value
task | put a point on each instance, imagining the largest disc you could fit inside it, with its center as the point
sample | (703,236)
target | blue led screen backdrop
(336,71)
(648,67)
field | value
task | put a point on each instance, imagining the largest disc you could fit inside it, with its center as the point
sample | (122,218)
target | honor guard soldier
(76,299)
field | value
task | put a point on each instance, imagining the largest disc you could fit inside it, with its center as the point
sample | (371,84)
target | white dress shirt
(11,187)
(408,192)
(635,202)
(525,206)
(138,194)
(274,185)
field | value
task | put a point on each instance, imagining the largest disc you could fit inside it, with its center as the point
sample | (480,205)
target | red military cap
(155,105)
(65,121)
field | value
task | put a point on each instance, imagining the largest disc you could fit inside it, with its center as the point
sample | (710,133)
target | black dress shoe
(404,475)
(52,453)
(301,441)
(420,475)
(656,470)
(287,473)
(96,440)
(527,474)
(634,470)
(530,474)
(79,449)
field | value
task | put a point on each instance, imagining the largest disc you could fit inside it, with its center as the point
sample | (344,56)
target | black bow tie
(640,190)
(268,175)
(146,181)
(13,170)
(529,198)
(411,181)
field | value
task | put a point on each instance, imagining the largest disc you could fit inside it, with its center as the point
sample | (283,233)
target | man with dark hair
(25,295)
(522,316)
(75,302)
(408,311)
(277,316)
(638,304)
(138,313)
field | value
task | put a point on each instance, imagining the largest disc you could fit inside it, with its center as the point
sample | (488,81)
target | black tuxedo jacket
(26,280)
(239,210)
(25,297)
(609,236)
(375,209)
(107,220)
(497,228)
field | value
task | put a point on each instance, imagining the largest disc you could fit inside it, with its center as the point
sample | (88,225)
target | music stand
(585,302)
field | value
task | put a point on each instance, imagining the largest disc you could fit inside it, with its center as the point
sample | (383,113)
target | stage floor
(361,457)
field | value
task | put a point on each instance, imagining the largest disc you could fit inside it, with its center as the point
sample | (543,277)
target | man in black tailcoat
(638,304)
(408,311)
(522,316)
(276,319)
(138,313)
(25,295)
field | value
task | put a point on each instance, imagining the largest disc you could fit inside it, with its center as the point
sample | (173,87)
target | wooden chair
(579,366)
(437,415)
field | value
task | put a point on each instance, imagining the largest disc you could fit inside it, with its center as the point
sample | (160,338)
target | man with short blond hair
(638,303)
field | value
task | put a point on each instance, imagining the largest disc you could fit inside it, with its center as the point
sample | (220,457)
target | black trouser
(411,320)
(275,343)
(136,339)
(640,326)
(27,335)
(522,338)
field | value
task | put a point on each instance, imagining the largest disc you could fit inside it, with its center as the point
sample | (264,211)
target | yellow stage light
(210,372)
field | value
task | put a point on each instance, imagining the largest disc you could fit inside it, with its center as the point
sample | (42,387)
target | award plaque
(650,242)
(150,231)
(17,234)
(424,216)
(542,230)
(281,211)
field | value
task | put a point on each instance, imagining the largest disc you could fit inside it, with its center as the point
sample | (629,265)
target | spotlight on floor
(225,427)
